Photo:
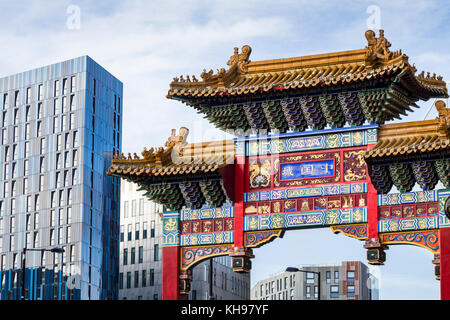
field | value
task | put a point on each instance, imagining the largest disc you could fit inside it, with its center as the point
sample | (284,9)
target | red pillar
(372,206)
(372,211)
(445,262)
(239,179)
(171,273)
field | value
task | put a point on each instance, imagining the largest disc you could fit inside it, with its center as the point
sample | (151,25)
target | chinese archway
(311,150)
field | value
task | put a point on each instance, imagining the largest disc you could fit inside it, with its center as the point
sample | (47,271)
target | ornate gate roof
(181,174)
(373,84)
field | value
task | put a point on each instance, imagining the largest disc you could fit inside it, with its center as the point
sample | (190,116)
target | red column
(239,179)
(372,206)
(445,262)
(372,211)
(171,273)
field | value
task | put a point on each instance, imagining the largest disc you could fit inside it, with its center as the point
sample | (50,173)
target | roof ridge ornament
(240,59)
(443,118)
(378,48)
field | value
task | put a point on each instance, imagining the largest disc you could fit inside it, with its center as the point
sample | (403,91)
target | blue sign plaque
(304,170)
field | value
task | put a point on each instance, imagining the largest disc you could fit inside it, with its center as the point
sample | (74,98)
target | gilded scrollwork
(260,172)
(355,167)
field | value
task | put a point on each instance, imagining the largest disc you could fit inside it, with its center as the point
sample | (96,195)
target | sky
(145,44)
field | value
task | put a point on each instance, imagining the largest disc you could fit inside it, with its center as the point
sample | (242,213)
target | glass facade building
(59,128)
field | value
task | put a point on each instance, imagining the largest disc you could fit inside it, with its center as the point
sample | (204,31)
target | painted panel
(207,213)
(394,225)
(300,142)
(171,229)
(326,190)
(326,156)
(307,219)
(443,220)
(408,197)
(306,204)
(304,170)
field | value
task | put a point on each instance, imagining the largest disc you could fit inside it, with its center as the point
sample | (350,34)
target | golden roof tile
(178,158)
(245,76)
(413,137)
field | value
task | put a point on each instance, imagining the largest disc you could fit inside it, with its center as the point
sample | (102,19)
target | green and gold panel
(320,218)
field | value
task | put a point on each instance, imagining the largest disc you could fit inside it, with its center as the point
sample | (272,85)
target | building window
(129,232)
(350,291)
(152,277)
(144,230)
(40,92)
(136,279)
(141,254)
(125,256)
(121,233)
(133,256)
(125,209)
(328,276)
(136,231)
(334,292)
(128,280)
(156,252)
(141,207)
(152,229)
(56,89)
(133,208)
(350,276)
(144,278)
(64,86)
(121,280)
(310,277)
(336,276)
(308,292)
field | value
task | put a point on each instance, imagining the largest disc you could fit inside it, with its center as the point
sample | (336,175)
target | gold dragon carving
(260,174)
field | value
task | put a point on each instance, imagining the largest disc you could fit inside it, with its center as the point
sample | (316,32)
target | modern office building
(59,127)
(141,242)
(349,281)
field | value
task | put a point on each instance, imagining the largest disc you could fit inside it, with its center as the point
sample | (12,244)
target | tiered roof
(371,84)
(412,152)
(180,174)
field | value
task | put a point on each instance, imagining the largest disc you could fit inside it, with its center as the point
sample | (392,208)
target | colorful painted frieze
(257,238)
(307,141)
(408,197)
(395,225)
(192,255)
(206,238)
(326,190)
(357,231)
(426,239)
(305,219)
(306,204)
(226,211)
(171,229)
(409,210)
(207,226)
(443,220)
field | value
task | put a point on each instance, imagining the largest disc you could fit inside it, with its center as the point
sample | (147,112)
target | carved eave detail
(238,65)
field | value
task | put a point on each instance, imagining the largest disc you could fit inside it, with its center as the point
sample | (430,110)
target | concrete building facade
(140,270)
(349,281)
